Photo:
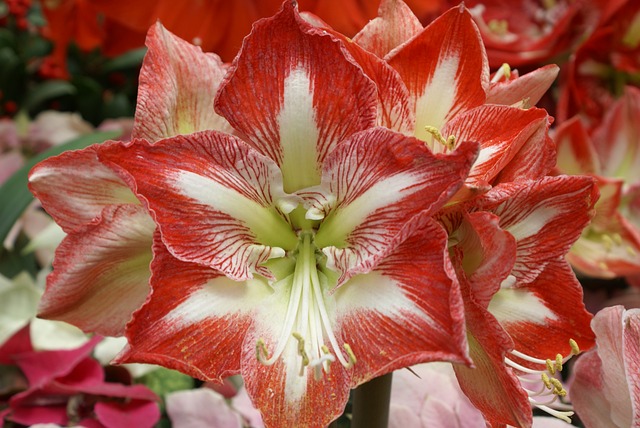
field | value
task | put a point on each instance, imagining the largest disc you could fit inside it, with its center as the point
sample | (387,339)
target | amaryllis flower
(611,153)
(596,75)
(302,256)
(68,387)
(529,32)
(606,385)
(523,304)
(450,97)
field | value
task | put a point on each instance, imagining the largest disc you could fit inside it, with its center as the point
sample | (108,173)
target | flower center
(549,389)
(307,324)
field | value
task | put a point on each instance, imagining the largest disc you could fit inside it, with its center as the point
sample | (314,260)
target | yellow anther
(575,350)
(449,143)
(546,381)
(630,251)
(617,238)
(558,365)
(325,350)
(261,351)
(632,37)
(607,242)
(558,389)
(498,26)
(549,4)
(505,69)
(550,367)
(352,356)
(301,351)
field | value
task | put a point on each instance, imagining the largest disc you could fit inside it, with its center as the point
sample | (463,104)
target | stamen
(261,351)
(503,71)
(352,356)
(498,26)
(575,350)
(551,389)
(565,416)
(301,351)
(307,320)
(449,143)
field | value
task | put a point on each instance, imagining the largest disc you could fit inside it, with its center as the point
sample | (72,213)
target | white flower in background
(19,299)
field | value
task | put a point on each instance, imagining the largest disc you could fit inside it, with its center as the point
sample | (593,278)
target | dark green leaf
(14,194)
(129,60)
(48,90)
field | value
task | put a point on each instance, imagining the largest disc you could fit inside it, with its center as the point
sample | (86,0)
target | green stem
(371,403)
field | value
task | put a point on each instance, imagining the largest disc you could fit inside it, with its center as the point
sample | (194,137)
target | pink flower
(606,386)
(68,387)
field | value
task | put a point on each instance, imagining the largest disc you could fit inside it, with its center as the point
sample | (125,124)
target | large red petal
(445,69)
(295,99)
(491,386)
(214,199)
(546,217)
(194,321)
(407,311)
(499,144)
(378,181)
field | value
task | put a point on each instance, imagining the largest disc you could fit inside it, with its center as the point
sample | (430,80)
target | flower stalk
(371,403)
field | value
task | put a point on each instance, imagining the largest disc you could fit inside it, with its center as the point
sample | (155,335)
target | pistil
(307,321)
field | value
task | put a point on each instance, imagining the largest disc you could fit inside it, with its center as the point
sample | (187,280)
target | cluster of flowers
(324,210)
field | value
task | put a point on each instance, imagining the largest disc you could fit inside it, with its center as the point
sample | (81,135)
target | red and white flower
(610,246)
(523,305)
(302,255)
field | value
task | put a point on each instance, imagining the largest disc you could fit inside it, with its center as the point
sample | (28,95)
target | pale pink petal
(428,396)
(101,272)
(200,407)
(296,99)
(74,187)
(394,25)
(576,154)
(177,87)
(631,337)
(524,90)
(214,197)
(616,141)
(606,388)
